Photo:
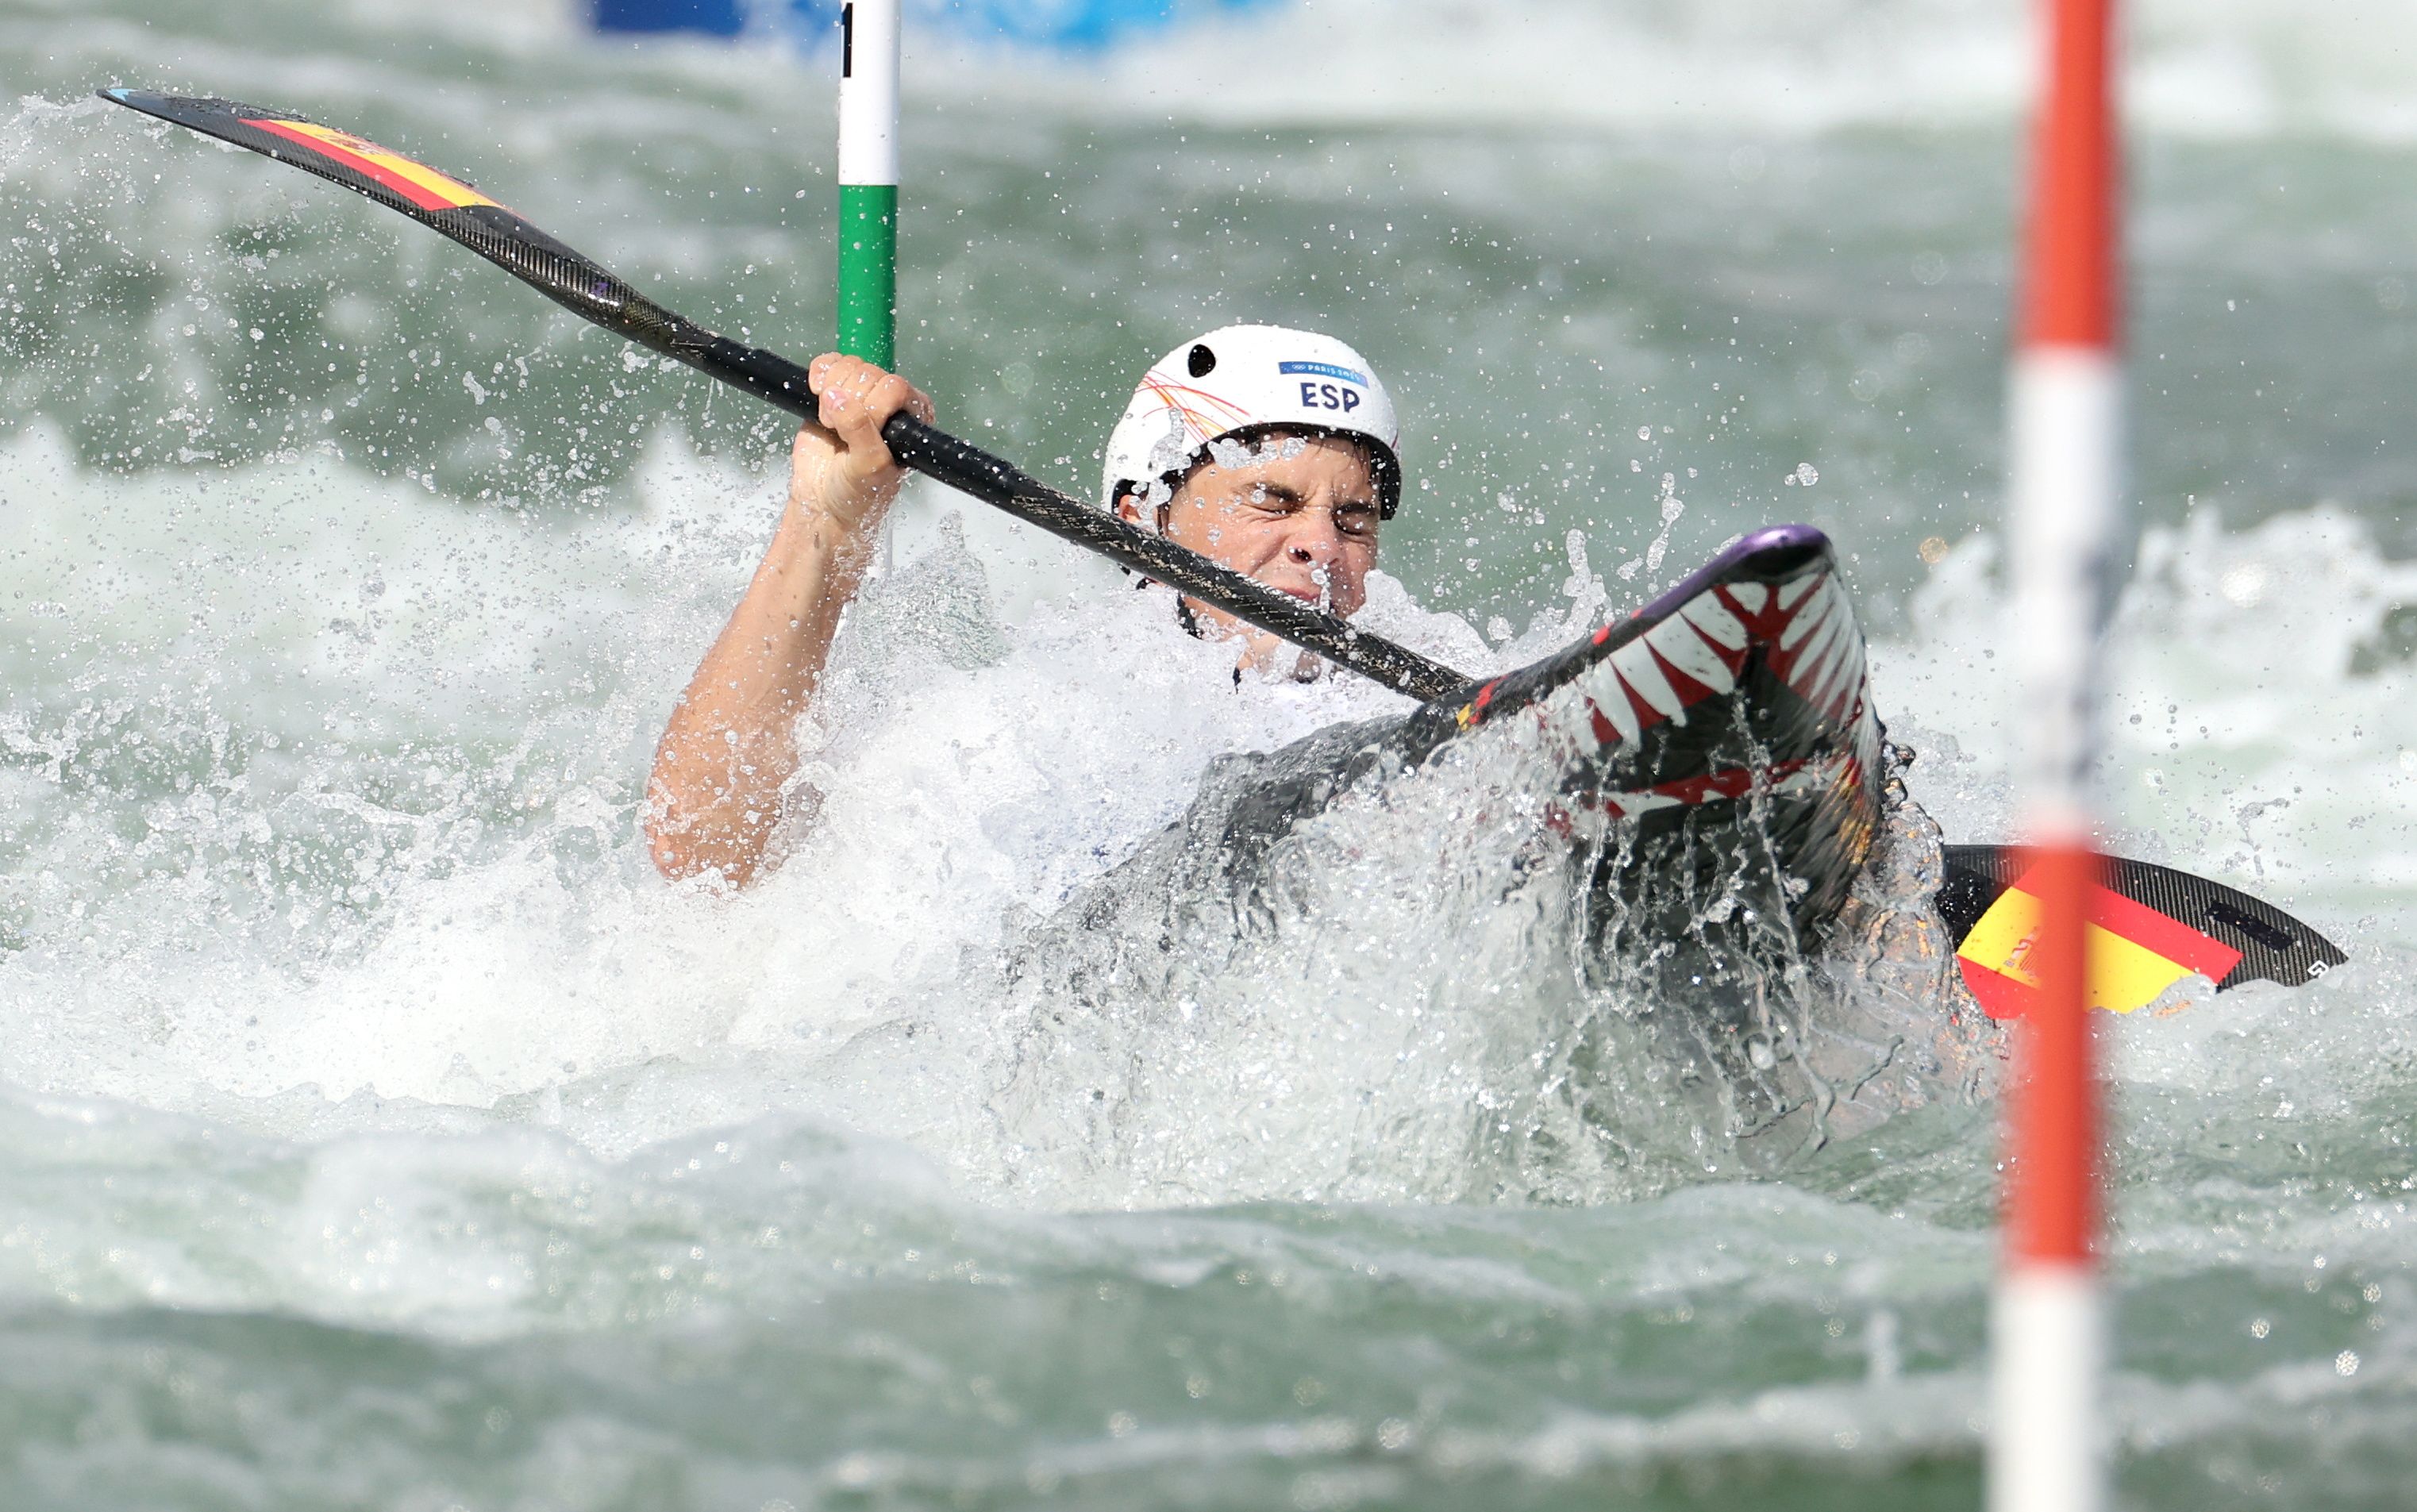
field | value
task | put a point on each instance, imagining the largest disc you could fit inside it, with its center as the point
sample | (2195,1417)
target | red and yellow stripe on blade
(418,183)
(2135,953)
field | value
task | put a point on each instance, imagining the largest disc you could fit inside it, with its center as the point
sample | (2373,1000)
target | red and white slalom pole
(2046,1443)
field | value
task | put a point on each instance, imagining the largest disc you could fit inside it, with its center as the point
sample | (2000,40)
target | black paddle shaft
(969,469)
(585,288)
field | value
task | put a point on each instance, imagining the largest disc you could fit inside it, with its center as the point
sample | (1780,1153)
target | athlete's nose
(1315,540)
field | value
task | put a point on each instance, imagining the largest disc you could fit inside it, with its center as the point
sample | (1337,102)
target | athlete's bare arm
(715,795)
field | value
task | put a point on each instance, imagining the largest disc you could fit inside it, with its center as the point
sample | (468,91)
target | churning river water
(377,1131)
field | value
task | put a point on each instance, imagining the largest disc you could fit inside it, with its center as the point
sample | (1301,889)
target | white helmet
(1250,378)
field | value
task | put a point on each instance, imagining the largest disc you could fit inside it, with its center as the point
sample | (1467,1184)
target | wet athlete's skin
(1299,513)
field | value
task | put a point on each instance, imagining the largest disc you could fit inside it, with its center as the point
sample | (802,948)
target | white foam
(2255,722)
(1741,67)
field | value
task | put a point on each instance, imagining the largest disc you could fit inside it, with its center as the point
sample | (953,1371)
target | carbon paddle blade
(443,204)
(2151,926)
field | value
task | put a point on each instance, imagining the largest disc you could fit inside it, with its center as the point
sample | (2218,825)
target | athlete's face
(1299,513)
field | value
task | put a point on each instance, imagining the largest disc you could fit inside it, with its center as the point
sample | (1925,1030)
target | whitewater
(382,1132)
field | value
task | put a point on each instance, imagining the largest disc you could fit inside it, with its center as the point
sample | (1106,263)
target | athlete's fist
(839,468)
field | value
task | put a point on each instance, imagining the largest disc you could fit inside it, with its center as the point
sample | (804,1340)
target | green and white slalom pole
(868,181)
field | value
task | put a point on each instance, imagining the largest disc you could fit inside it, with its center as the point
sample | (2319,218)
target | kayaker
(1268,451)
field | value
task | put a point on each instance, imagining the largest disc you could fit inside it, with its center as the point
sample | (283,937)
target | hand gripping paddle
(2150,926)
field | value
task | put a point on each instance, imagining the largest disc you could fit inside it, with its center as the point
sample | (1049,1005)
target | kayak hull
(1718,749)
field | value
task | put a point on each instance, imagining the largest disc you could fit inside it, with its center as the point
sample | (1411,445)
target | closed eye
(1356,519)
(1353,516)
